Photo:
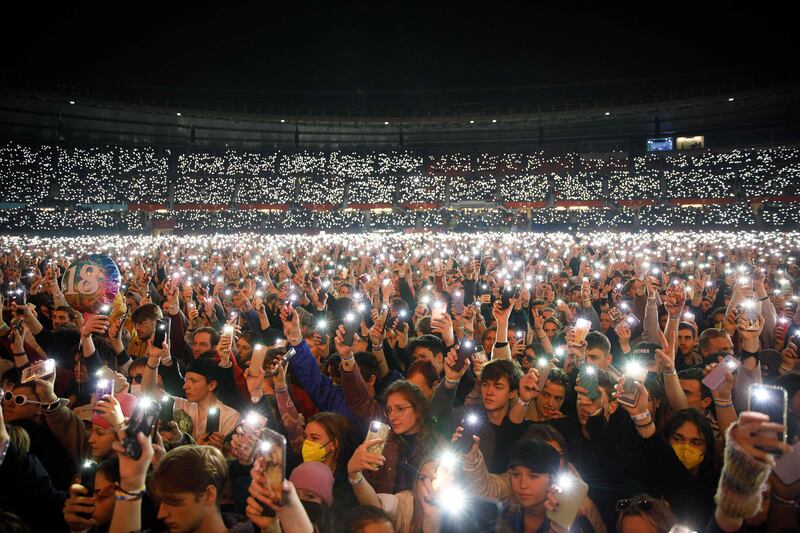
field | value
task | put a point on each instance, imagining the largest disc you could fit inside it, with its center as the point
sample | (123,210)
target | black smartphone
(212,420)
(773,402)
(162,331)
(471,423)
(352,323)
(143,419)
(285,362)
(87,474)
(465,349)
(507,294)
(272,452)
(166,410)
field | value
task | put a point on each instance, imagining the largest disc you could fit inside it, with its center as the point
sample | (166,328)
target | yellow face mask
(313,451)
(689,455)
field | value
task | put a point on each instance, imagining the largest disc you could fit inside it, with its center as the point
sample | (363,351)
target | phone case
(589,381)
(87,476)
(544,373)
(105,387)
(471,424)
(258,356)
(38,370)
(716,377)
(142,420)
(773,402)
(252,429)
(273,463)
(630,392)
(464,351)
(162,332)
(573,492)
(377,430)
(166,409)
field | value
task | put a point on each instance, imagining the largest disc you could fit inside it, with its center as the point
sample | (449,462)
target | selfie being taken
(371,267)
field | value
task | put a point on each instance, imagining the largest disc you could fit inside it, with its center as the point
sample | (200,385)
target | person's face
(201,343)
(690,434)
(100,441)
(184,512)
(315,432)
(244,348)
(103,499)
(636,524)
(550,400)
(719,344)
(239,299)
(496,394)
(145,328)
(60,319)
(685,341)
(692,389)
(575,295)
(550,330)
(344,292)
(598,357)
(529,488)
(424,488)
(422,353)
(418,379)
(488,340)
(196,387)
(662,320)
(401,414)
(131,303)
(605,321)
(705,305)
(13,412)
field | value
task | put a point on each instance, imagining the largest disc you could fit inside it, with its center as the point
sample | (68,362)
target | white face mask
(136,389)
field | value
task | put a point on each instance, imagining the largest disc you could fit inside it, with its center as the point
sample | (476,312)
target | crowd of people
(412,383)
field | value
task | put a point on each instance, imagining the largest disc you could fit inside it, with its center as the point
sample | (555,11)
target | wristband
(19,354)
(151,367)
(356,481)
(523,404)
(452,381)
(672,372)
(784,502)
(128,496)
(641,416)
(651,423)
(764,298)
(377,348)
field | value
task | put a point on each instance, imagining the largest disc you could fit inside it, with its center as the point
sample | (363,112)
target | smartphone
(773,402)
(377,430)
(290,314)
(438,309)
(544,366)
(471,423)
(507,294)
(212,420)
(143,419)
(258,356)
(38,370)
(632,320)
(162,331)
(105,310)
(716,377)
(285,362)
(166,410)
(630,392)
(104,387)
(458,302)
(475,515)
(571,492)
(272,452)
(588,376)
(251,430)
(352,324)
(479,356)
(87,474)
(464,351)
(615,315)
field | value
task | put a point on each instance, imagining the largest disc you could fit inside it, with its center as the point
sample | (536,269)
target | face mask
(313,451)
(313,510)
(689,455)
(136,389)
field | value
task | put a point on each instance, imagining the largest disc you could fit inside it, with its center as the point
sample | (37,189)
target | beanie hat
(315,477)
(127,402)
(536,455)
(207,368)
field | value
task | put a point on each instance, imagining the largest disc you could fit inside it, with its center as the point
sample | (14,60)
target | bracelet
(452,381)
(19,354)
(523,404)
(672,372)
(651,423)
(764,298)
(723,400)
(151,367)
(783,501)
(377,348)
(356,481)
(123,495)
(641,416)
(723,405)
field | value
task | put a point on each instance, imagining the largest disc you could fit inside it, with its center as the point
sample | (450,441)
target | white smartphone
(570,495)
(257,359)
(716,377)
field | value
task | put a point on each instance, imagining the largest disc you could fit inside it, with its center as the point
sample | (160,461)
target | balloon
(91,282)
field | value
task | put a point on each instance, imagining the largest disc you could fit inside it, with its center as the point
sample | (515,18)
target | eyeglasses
(19,399)
(399,410)
(643,504)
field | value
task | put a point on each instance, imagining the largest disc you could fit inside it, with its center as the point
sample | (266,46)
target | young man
(499,383)
(547,405)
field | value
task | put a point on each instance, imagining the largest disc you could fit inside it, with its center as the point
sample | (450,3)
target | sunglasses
(137,378)
(642,504)
(19,399)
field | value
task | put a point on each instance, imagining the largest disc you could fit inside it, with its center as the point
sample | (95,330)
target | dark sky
(347,46)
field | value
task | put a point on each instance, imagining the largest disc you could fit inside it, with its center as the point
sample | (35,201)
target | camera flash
(472,418)
(542,362)
(564,482)
(252,418)
(265,446)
